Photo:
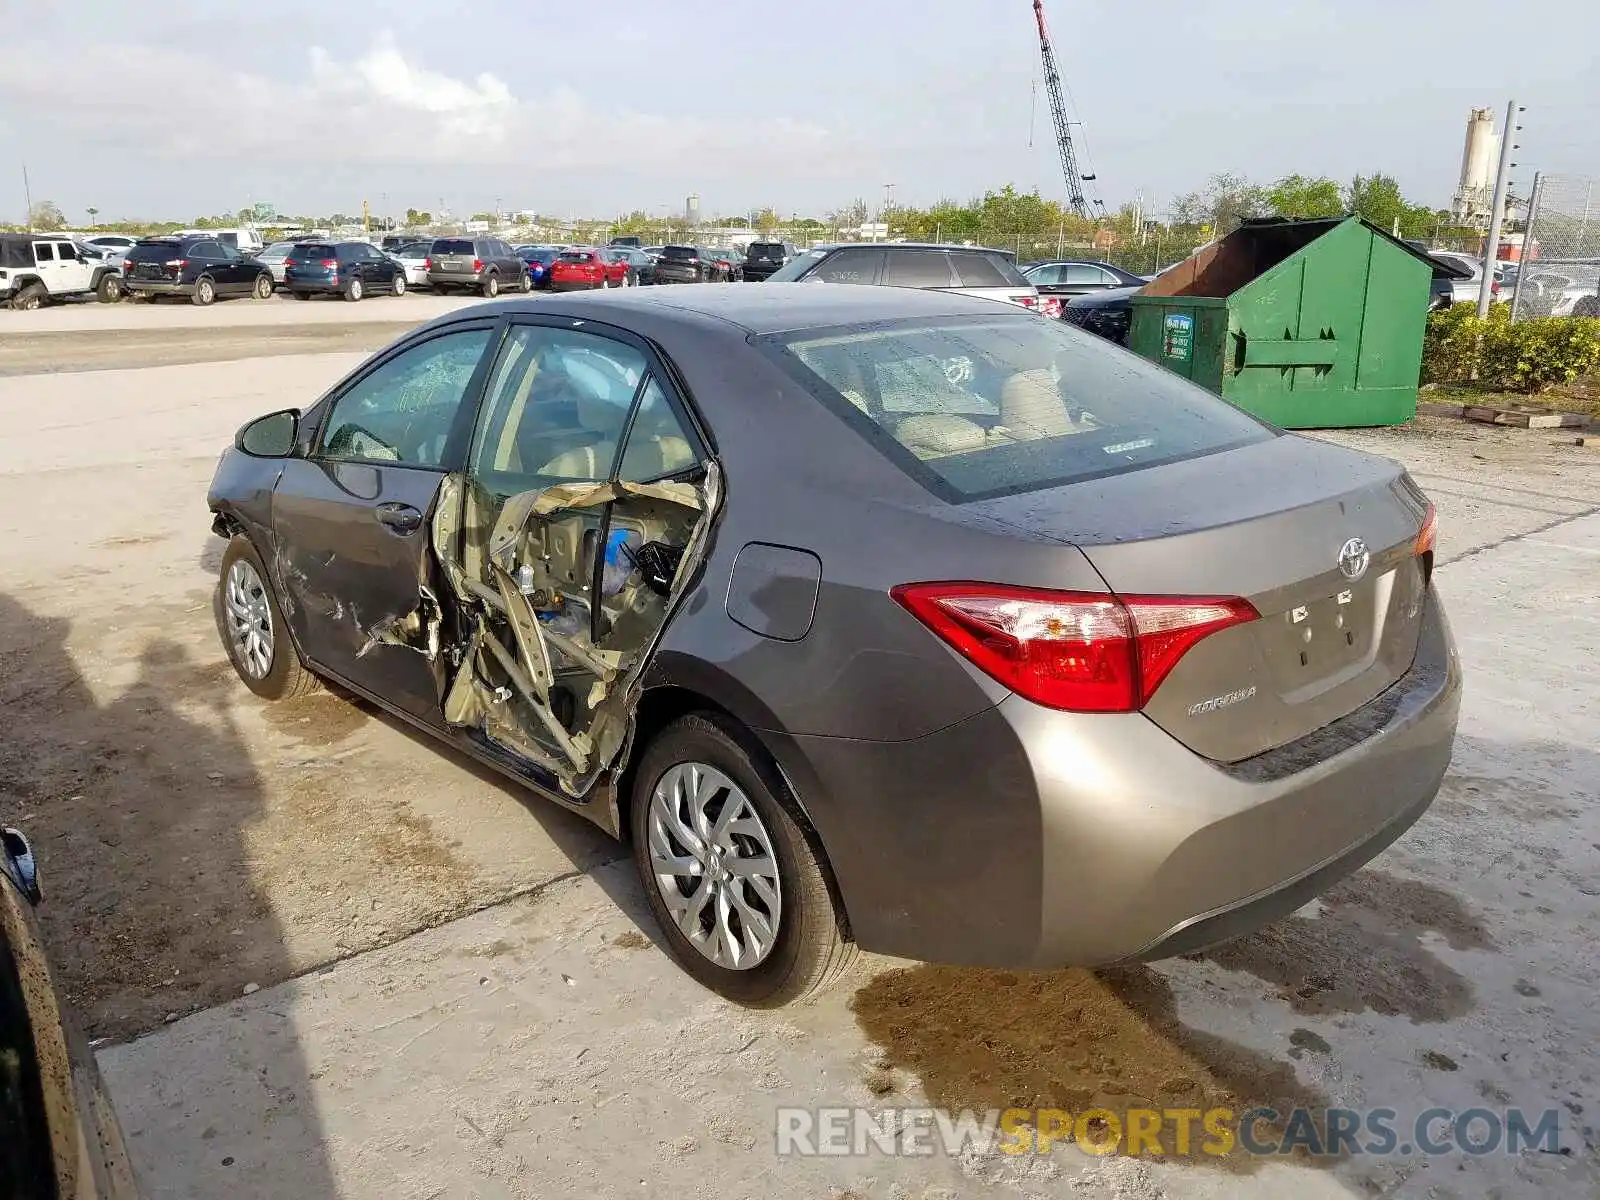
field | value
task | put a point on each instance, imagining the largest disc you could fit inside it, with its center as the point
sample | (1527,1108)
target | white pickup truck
(40,268)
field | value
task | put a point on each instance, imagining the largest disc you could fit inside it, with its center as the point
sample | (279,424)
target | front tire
(252,628)
(263,287)
(729,868)
(353,291)
(205,292)
(399,287)
(109,289)
(491,287)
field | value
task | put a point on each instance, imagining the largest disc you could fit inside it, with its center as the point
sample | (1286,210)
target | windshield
(155,252)
(986,406)
(796,266)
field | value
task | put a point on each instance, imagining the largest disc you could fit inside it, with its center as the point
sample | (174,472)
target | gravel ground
(454,989)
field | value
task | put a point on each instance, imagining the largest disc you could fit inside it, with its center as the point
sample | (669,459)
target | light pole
(888,205)
(1502,181)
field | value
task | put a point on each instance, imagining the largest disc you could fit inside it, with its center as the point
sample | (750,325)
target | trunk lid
(1274,523)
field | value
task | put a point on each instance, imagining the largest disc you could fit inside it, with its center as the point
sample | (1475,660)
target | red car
(581,268)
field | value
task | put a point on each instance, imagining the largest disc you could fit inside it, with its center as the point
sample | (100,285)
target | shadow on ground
(140,812)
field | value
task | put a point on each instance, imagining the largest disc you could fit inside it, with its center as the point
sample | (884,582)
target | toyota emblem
(1353,559)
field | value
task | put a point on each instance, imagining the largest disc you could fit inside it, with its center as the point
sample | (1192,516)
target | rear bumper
(157,287)
(573,285)
(314,285)
(676,275)
(759,274)
(1025,837)
(455,279)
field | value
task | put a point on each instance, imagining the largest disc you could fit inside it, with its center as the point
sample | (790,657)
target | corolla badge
(1353,559)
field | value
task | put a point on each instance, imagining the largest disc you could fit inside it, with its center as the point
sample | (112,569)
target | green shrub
(1493,353)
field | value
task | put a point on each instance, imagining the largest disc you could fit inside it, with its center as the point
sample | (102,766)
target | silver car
(873,617)
(969,270)
(273,259)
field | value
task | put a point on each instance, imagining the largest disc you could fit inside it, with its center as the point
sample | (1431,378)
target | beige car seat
(1031,407)
(930,435)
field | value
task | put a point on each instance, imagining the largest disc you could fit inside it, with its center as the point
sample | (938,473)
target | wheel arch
(697,687)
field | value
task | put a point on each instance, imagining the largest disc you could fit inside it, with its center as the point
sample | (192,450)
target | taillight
(477,264)
(1028,301)
(288,263)
(1426,537)
(1050,306)
(1075,651)
(330,263)
(178,263)
(427,263)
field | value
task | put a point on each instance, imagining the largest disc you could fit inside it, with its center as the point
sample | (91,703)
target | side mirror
(16,861)
(271,436)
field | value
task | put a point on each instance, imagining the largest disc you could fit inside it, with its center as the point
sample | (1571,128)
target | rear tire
(30,298)
(525,285)
(205,291)
(285,676)
(808,950)
(109,289)
(263,287)
(491,286)
(302,295)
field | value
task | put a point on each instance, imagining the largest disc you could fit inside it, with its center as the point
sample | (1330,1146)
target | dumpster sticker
(1177,336)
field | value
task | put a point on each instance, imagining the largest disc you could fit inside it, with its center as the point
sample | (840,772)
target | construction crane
(1083,205)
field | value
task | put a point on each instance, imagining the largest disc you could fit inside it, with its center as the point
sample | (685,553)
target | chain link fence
(1559,275)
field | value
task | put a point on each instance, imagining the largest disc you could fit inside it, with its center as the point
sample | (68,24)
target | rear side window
(917,269)
(978,269)
(15,255)
(987,406)
(452,246)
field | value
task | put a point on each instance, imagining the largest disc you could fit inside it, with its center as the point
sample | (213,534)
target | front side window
(984,406)
(403,411)
(556,408)
(849,266)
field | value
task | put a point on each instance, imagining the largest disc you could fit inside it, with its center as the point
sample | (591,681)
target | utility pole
(27,198)
(1502,183)
(888,204)
(1528,248)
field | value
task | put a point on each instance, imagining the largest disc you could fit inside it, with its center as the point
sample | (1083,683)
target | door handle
(401,518)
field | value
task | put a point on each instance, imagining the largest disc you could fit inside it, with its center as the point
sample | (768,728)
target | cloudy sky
(177,108)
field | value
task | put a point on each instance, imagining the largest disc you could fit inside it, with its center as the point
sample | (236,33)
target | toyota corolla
(873,617)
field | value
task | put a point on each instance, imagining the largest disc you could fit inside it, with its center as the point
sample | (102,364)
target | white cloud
(377,107)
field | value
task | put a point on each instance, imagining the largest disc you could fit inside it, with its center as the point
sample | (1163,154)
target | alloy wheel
(713,864)
(249,619)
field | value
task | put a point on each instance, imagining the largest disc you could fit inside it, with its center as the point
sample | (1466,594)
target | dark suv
(484,264)
(200,268)
(761,259)
(348,269)
(681,264)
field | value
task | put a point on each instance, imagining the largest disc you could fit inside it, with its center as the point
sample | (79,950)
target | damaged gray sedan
(872,617)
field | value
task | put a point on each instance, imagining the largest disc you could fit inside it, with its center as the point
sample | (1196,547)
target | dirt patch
(117,543)
(631,939)
(1439,1062)
(323,719)
(1304,1039)
(1363,951)
(1071,1040)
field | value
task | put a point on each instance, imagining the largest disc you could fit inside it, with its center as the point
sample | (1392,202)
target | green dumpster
(1307,324)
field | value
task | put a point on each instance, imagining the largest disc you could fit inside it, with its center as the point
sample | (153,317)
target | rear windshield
(313,250)
(154,252)
(981,268)
(988,406)
(582,256)
(453,246)
(681,253)
(539,256)
(766,250)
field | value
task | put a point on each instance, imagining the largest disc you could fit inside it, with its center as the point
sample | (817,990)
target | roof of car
(907,246)
(768,307)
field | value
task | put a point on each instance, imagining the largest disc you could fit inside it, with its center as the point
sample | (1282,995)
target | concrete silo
(1475,193)
(691,212)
